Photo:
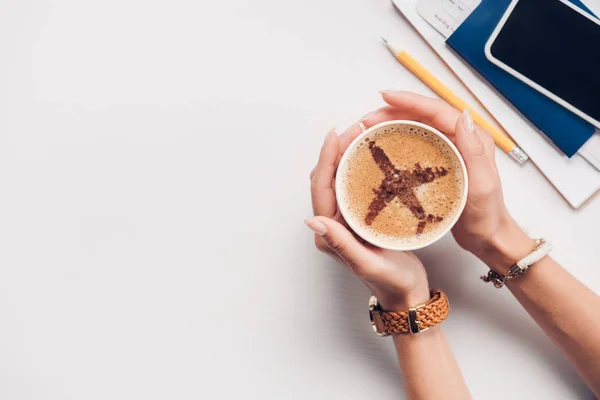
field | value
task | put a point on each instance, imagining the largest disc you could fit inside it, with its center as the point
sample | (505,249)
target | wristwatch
(415,320)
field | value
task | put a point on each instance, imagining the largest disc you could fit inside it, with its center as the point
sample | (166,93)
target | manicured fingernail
(330,134)
(390,91)
(368,116)
(468,121)
(316,226)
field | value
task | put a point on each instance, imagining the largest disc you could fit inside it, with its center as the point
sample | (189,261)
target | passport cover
(566,130)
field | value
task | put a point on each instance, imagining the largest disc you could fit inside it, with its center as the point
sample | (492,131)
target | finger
(352,133)
(472,148)
(384,114)
(322,246)
(431,111)
(343,243)
(321,186)
(489,144)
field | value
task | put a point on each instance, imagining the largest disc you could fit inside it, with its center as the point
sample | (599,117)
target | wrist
(404,301)
(507,246)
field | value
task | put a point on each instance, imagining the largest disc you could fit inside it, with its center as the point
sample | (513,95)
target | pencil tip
(384,40)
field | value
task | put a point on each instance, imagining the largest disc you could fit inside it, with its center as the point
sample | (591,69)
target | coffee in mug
(401,185)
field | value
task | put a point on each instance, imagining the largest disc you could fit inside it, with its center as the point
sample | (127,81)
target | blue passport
(568,131)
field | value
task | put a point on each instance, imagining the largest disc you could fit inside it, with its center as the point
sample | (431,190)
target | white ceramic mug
(357,227)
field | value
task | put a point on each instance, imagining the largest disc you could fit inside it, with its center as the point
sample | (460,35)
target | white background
(154,162)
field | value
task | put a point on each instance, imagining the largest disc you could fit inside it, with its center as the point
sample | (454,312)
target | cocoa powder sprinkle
(401,184)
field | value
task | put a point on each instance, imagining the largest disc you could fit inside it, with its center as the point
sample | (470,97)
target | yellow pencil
(502,139)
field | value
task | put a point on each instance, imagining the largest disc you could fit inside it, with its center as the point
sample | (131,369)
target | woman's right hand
(485,227)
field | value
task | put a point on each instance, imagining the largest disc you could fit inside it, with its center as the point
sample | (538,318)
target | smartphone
(554,47)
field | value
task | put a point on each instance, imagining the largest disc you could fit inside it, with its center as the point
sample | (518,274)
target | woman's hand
(398,279)
(485,227)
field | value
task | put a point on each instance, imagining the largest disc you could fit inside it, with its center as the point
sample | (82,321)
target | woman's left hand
(398,279)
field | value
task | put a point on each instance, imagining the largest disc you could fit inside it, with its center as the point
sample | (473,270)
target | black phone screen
(557,48)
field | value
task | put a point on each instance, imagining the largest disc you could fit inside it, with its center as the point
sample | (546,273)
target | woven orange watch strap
(429,314)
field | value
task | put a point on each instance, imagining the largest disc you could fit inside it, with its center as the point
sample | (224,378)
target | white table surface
(154,162)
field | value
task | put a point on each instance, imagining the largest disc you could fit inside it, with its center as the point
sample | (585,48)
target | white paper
(446,15)
(591,150)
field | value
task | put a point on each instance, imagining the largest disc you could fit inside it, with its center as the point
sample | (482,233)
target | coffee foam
(406,146)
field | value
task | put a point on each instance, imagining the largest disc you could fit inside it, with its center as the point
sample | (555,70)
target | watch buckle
(413,322)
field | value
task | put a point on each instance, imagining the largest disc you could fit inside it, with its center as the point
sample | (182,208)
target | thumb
(341,241)
(471,147)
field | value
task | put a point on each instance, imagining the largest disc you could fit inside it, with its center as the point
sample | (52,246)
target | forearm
(567,311)
(428,366)
(426,360)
